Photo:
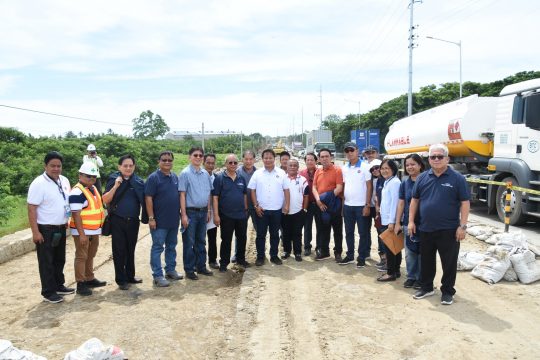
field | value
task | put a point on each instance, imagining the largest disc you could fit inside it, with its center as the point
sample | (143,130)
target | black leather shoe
(307,252)
(222,269)
(276,260)
(123,286)
(259,262)
(213,265)
(386,277)
(135,280)
(205,272)
(244,264)
(94,283)
(83,289)
(286,255)
(192,276)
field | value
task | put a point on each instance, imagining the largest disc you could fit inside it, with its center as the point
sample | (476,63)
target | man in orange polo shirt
(327,189)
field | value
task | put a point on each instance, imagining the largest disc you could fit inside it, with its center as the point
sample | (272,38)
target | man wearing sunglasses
(87,215)
(231,212)
(441,197)
(195,186)
(163,208)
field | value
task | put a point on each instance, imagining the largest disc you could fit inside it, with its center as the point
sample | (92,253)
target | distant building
(197,135)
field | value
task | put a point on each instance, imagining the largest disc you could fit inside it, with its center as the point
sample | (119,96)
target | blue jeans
(194,241)
(167,238)
(412,259)
(271,220)
(364,231)
(352,215)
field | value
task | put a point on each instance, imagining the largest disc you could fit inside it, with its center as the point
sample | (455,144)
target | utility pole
(320,98)
(241,145)
(412,45)
(303,126)
(202,132)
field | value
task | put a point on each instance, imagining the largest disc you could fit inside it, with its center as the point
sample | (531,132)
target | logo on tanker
(402,140)
(533,146)
(454,131)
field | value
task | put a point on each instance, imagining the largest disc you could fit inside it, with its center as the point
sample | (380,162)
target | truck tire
(516,217)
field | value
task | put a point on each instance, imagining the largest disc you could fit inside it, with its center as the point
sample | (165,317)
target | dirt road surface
(300,310)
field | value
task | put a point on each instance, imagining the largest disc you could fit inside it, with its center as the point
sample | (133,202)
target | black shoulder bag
(106,227)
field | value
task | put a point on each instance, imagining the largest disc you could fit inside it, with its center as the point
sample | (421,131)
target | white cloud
(245,64)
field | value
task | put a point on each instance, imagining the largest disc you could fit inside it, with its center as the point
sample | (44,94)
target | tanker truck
(489,138)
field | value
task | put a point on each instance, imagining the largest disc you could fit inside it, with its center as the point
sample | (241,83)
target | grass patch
(18,219)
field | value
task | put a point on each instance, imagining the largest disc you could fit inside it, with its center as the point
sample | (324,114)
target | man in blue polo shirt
(442,197)
(194,185)
(230,197)
(163,207)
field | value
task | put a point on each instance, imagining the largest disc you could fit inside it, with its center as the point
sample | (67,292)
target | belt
(197,209)
(63,226)
(127,218)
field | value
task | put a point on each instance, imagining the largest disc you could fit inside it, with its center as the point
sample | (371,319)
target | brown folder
(392,241)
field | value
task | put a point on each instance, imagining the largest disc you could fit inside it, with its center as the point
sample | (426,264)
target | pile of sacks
(510,257)
(92,349)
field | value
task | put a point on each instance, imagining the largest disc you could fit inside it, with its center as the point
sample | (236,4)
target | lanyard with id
(67,209)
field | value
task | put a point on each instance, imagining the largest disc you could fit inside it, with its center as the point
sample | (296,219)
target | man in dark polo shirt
(163,207)
(230,198)
(442,197)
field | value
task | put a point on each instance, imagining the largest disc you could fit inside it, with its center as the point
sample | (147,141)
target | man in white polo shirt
(270,196)
(48,213)
(357,193)
(293,222)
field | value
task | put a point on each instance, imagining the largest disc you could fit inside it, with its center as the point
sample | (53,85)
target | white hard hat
(375,162)
(88,168)
(91,147)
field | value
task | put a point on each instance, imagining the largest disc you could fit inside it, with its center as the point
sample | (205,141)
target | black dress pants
(443,241)
(124,232)
(51,258)
(212,246)
(228,227)
(292,232)
(323,233)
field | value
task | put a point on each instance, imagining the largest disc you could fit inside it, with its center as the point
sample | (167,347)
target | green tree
(148,126)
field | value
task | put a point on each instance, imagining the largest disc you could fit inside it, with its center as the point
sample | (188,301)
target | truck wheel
(516,217)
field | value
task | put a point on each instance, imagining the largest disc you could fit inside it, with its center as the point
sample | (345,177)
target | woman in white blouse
(388,206)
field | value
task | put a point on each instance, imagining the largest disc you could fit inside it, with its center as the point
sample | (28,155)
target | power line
(65,116)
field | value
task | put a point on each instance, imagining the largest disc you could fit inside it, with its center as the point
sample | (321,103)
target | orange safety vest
(94,214)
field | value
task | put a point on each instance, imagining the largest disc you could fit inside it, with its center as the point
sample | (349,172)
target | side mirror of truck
(532,111)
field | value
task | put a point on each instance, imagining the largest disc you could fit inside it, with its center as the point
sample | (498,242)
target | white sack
(526,266)
(510,274)
(467,260)
(94,349)
(491,269)
(10,352)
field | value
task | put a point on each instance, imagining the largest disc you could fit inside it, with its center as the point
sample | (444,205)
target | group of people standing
(431,208)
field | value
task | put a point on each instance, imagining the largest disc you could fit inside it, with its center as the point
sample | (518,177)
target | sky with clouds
(243,65)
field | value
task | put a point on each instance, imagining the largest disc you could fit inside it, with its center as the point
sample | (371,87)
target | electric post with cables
(412,45)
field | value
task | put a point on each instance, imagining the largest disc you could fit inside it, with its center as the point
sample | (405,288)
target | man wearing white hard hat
(94,158)
(87,215)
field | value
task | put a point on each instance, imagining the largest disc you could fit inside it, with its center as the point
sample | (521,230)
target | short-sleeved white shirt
(210,224)
(297,190)
(77,203)
(355,178)
(269,186)
(51,204)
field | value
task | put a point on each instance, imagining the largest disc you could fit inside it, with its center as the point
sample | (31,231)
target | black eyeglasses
(89,176)
(166,160)
(232,162)
(197,155)
(436,157)
(376,167)
(349,150)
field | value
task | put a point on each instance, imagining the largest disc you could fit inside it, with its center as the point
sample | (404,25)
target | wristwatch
(463,227)
(151,218)
(305,210)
